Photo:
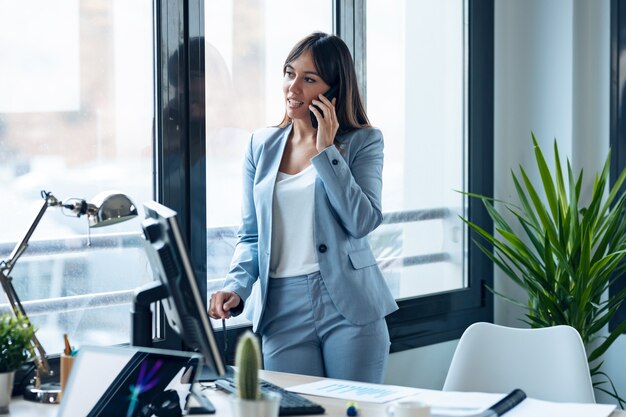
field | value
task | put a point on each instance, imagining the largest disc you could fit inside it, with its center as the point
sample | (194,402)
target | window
(76,115)
(445,313)
(416,95)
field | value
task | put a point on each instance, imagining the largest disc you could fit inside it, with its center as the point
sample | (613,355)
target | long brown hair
(335,66)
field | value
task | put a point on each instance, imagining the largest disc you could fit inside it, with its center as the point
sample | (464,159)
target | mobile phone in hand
(330,94)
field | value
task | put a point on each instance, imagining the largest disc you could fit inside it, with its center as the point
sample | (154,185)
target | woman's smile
(294,104)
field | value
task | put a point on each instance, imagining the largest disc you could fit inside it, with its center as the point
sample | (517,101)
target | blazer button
(334,162)
(322,248)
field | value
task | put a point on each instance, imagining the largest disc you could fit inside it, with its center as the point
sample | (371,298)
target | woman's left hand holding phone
(327,121)
(221,304)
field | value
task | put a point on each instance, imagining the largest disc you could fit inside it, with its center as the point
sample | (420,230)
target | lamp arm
(7,283)
(49,200)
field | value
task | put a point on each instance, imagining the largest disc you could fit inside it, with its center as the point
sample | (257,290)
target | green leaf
(600,350)
(546,177)
(613,392)
(542,213)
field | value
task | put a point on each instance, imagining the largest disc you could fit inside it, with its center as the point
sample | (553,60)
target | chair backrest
(547,363)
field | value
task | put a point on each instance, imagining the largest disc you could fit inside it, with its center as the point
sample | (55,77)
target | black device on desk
(176,287)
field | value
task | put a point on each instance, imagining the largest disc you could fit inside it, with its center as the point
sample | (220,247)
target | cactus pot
(266,406)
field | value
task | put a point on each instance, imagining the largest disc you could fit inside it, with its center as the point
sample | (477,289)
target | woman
(311,196)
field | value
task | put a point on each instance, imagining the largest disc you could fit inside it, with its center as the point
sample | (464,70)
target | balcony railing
(65,304)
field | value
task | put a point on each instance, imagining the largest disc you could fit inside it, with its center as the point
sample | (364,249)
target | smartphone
(330,94)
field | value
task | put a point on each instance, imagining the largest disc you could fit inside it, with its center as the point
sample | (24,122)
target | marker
(506,404)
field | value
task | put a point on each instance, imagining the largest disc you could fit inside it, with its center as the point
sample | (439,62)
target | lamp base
(47,393)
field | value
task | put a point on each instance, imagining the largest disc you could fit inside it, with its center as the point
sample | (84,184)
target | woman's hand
(221,304)
(326,121)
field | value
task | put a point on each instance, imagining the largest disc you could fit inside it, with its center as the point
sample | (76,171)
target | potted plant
(15,349)
(564,254)
(249,401)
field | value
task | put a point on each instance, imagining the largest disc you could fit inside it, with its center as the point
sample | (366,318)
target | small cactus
(248,363)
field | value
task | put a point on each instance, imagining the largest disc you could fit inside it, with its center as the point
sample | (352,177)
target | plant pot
(267,406)
(6,387)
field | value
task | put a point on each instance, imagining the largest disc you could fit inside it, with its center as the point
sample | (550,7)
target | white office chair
(547,363)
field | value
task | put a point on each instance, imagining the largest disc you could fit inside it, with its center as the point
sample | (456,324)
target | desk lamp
(106,208)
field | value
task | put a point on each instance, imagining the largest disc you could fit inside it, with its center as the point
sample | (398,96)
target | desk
(334,407)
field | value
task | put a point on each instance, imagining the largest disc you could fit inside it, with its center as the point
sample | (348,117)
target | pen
(68,348)
(507,403)
(225,338)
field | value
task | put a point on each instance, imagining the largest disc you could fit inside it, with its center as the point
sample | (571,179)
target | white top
(293,250)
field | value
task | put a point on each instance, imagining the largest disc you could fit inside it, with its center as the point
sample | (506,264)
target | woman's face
(301,84)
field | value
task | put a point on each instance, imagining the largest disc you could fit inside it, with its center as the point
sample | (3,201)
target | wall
(551,78)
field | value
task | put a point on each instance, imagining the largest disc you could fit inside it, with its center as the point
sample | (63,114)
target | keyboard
(291,404)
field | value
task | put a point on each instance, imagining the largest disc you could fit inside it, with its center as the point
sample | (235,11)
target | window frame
(176,22)
(420,321)
(617,122)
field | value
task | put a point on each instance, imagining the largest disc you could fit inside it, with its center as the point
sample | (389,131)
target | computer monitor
(183,304)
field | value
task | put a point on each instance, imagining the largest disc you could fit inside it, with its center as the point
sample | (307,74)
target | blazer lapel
(273,154)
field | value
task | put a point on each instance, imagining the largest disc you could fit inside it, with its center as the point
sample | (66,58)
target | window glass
(416,76)
(76,116)
(246,46)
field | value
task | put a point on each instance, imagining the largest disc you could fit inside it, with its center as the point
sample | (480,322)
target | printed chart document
(354,391)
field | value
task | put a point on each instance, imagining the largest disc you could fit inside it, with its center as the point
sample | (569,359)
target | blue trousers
(303,333)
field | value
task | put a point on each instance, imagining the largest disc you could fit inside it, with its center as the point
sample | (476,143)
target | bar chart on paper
(355,391)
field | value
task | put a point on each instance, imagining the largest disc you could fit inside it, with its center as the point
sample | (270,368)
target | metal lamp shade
(110,207)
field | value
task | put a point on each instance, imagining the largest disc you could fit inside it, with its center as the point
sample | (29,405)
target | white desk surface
(334,407)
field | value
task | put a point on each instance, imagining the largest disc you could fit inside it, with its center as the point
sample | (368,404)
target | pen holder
(66,368)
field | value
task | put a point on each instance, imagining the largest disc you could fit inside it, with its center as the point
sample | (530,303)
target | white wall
(552,73)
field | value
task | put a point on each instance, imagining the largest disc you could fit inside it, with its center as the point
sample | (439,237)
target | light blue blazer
(347,207)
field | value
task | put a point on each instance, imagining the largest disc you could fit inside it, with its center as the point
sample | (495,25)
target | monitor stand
(204,404)
(141,314)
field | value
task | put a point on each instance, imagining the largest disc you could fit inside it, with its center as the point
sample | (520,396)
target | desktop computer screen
(183,306)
